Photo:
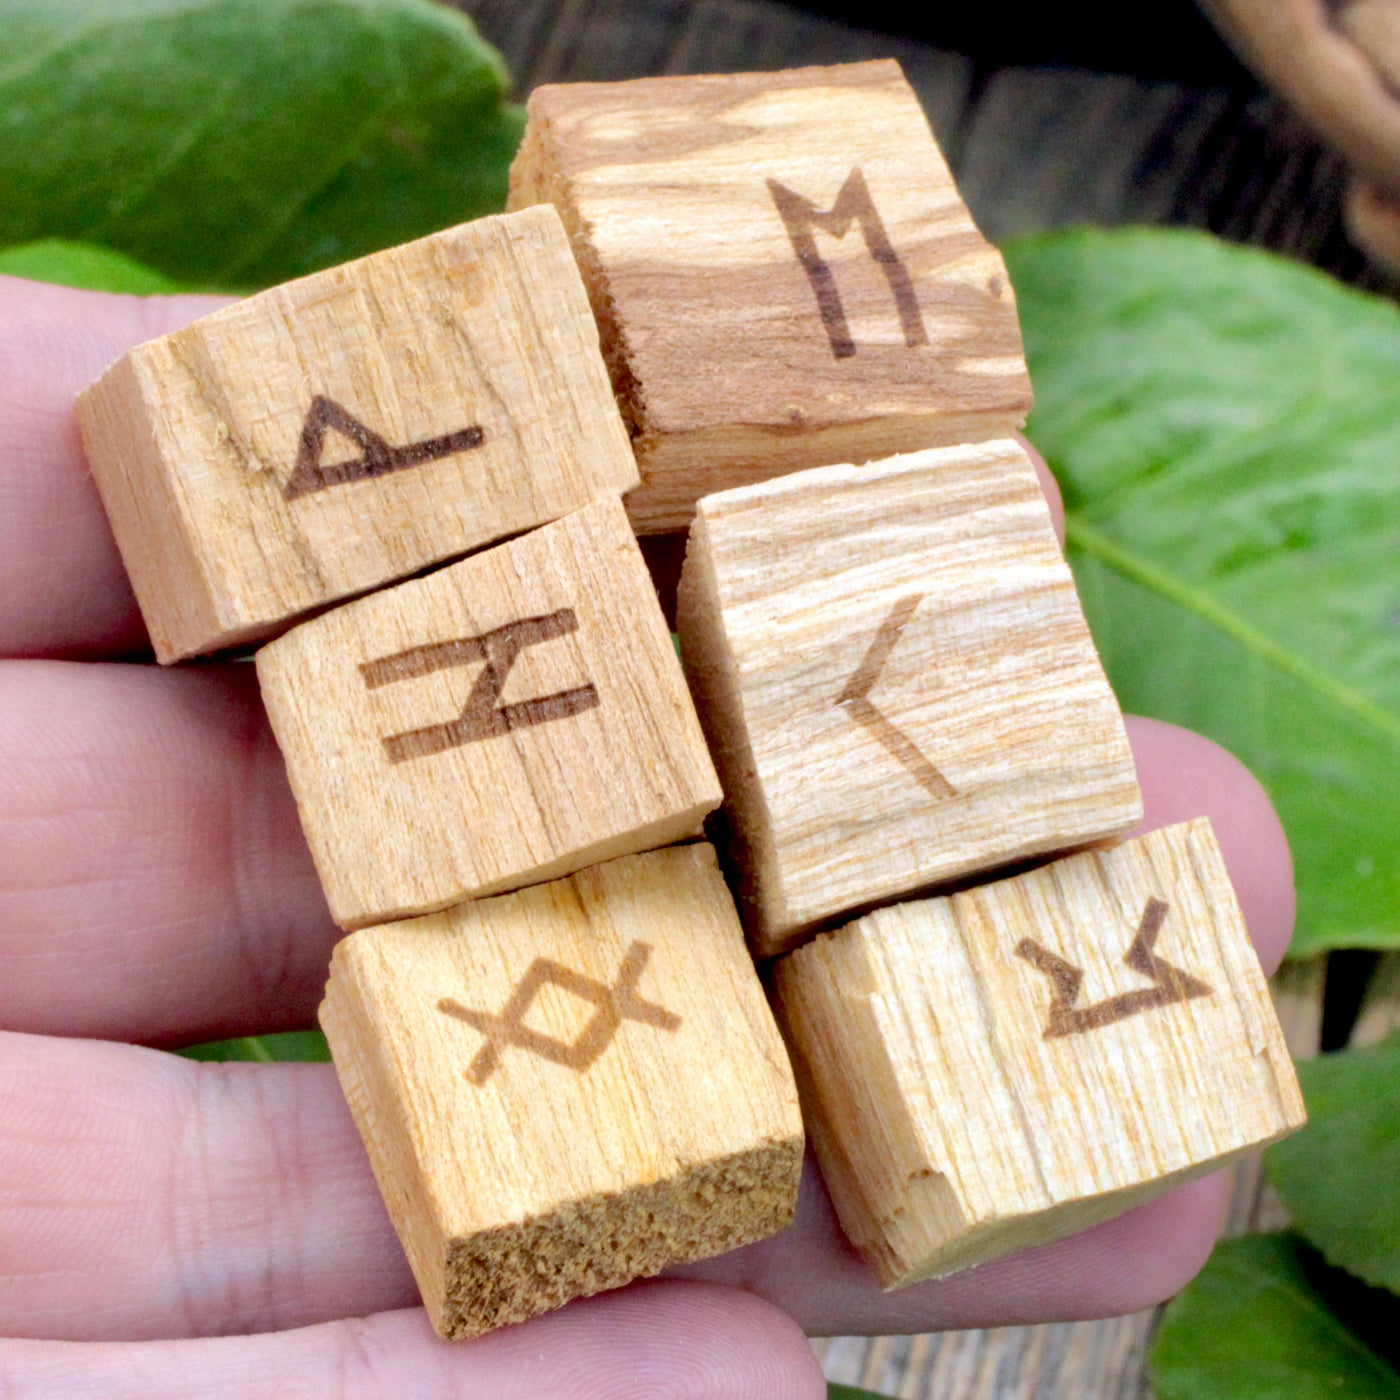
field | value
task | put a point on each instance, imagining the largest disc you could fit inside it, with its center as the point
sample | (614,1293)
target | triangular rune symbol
(377,457)
(1172,983)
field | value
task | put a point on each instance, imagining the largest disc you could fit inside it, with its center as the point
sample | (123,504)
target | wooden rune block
(352,428)
(506,720)
(782,269)
(567,1088)
(897,682)
(992,1070)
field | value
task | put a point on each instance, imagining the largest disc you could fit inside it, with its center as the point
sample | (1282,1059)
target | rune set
(630,917)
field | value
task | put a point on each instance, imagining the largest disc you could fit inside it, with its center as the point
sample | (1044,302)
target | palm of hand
(155,890)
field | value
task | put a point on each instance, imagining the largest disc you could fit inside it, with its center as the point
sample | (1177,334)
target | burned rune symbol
(481,717)
(377,457)
(612,1006)
(1172,984)
(854,699)
(800,216)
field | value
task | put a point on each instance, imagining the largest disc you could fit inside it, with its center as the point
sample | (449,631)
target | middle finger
(165,1198)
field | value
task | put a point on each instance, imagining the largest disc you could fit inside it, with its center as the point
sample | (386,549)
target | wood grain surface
(509,719)
(783,273)
(353,427)
(567,1088)
(897,682)
(1031,148)
(1122,1031)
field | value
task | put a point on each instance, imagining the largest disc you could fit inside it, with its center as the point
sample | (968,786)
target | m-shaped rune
(854,699)
(1171,983)
(613,1005)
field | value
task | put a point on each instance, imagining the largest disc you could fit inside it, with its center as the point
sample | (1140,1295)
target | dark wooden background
(1049,115)
(1165,128)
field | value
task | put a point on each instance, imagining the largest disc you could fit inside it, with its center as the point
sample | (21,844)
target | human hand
(155,890)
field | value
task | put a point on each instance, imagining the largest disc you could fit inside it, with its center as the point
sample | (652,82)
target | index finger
(63,590)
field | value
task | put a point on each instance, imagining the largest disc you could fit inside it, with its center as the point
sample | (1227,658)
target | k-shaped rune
(614,1004)
(855,700)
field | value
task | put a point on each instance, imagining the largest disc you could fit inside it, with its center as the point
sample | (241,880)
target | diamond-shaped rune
(612,1005)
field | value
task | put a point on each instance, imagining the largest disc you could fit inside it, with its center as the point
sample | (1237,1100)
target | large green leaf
(1340,1176)
(81,265)
(1226,427)
(241,142)
(1253,1326)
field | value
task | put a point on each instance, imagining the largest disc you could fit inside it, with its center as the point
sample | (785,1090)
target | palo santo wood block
(996,1069)
(782,269)
(506,720)
(352,428)
(897,682)
(567,1088)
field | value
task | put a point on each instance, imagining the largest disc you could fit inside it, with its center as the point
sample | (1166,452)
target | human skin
(178,1228)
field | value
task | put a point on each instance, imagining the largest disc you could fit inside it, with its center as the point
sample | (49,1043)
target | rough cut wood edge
(872,1111)
(582,1245)
(630,772)
(677,467)
(189,447)
(759,527)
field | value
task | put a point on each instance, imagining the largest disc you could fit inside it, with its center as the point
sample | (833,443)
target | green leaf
(238,143)
(292,1046)
(1253,1326)
(82,265)
(850,1392)
(1224,426)
(1340,1175)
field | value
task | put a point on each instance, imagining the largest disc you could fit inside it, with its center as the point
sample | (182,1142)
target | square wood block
(999,1068)
(506,720)
(782,269)
(353,427)
(897,682)
(567,1088)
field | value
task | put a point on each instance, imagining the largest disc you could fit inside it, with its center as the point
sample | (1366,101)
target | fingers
(63,590)
(1048,484)
(1132,1262)
(62,586)
(688,1341)
(1185,775)
(255,1206)
(148,1196)
(154,882)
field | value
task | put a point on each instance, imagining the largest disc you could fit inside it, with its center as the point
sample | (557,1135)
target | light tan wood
(782,269)
(567,1088)
(1297,991)
(353,427)
(1380,1007)
(506,720)
(998,1068)
(897,682)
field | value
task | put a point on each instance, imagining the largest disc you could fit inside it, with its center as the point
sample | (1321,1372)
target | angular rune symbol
(481,717)
(800,216)
(854,700)
(613,1005)
(1172,984)
(376,457)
